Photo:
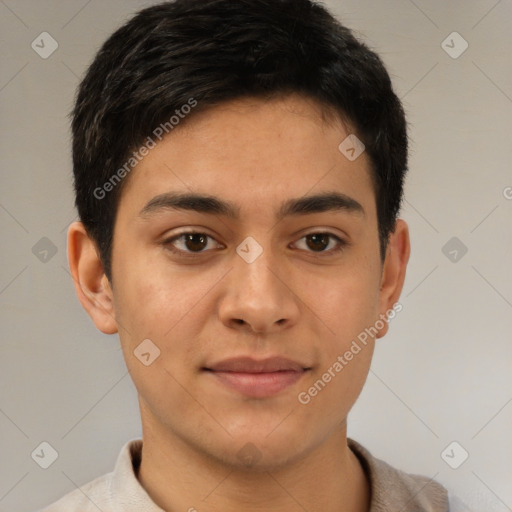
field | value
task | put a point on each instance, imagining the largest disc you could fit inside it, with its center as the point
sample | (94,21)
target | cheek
(334,390)
(157,326)
(149,302)
(348,309)
(168,311)
(337,381)
(346,305)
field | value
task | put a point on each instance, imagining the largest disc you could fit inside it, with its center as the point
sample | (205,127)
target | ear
(393,271)
(91,284)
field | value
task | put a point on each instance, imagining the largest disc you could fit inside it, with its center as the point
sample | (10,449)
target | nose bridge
(256,295)
(254,268)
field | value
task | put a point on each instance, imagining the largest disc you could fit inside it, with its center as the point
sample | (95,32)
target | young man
(238,172)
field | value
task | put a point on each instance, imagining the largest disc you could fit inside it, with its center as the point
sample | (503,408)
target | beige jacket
(120,491)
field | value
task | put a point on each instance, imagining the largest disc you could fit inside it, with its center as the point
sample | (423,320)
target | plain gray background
(442,374)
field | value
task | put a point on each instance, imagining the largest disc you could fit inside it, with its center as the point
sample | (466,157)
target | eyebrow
(202,203)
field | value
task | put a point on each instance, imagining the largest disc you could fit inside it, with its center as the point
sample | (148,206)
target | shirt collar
(127,492)
(391,489)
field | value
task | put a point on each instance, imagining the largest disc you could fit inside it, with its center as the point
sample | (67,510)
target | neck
(177,476)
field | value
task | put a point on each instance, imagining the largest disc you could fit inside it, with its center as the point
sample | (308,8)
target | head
(247,105)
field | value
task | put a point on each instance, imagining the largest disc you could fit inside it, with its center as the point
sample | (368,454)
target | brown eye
(318,242)
(322,243)
(195,241)
(190,243)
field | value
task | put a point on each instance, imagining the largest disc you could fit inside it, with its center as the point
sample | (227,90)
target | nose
(259,297)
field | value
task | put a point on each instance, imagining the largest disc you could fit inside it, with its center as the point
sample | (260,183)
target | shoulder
(109,492)
(392,489)
(85,499)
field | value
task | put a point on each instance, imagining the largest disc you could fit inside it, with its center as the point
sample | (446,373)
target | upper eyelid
(190,232)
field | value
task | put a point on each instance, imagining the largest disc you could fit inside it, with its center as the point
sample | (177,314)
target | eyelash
(190,254)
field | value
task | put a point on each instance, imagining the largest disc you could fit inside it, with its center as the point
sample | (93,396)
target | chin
(261,453)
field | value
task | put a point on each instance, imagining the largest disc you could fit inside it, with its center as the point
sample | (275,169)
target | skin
(294,301)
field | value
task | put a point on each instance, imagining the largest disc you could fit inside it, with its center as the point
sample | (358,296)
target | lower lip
(259,385)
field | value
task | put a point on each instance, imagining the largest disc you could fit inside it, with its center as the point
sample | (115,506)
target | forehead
(253,153)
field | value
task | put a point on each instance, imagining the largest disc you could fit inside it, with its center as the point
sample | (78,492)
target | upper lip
(250,365)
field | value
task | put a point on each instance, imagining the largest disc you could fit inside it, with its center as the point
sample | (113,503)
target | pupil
(320,241)
(195,241)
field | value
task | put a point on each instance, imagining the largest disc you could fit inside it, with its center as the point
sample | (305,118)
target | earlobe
(393,272)
(91,284)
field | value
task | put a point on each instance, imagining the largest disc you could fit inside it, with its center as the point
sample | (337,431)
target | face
(252,301)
